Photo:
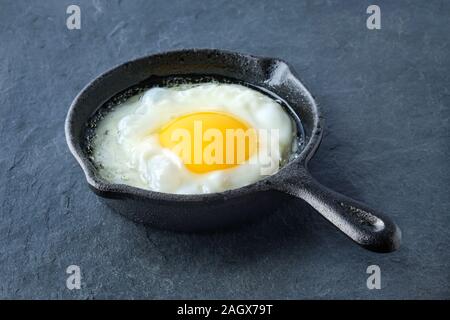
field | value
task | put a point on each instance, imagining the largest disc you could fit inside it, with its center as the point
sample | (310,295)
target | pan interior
(176,80)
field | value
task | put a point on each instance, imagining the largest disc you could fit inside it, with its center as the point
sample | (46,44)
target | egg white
(126,146)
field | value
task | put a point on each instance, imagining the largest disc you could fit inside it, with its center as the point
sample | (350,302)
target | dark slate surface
(385,95)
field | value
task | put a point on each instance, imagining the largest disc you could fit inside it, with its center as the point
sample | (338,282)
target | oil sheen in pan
(174,81)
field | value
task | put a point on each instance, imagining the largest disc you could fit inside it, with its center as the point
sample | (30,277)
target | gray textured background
(385,95)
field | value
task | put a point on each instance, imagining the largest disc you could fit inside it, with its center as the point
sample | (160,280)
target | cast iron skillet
(368,228)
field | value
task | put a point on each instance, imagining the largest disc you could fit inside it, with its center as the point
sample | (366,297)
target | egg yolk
(209,141)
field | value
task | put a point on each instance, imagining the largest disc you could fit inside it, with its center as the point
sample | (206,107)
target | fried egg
(193,139)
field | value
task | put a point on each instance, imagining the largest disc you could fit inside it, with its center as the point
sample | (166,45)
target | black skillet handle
(370,229)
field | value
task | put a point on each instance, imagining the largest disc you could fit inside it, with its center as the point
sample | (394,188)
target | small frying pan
(370,229)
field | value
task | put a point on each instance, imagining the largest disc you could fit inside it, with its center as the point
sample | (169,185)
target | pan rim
(107,189)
